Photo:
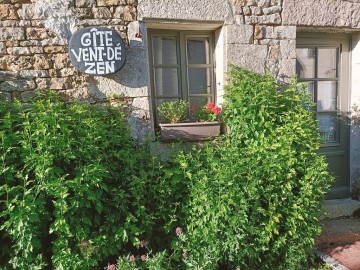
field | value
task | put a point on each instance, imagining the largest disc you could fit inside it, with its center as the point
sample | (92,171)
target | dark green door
(322,63)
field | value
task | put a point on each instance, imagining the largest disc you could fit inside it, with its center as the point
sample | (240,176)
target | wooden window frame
(182,66)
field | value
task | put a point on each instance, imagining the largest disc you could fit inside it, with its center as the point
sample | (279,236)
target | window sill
(189,131)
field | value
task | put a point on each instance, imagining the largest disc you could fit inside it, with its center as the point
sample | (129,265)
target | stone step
(339,208)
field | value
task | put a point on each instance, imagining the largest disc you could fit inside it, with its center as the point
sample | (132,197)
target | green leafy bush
(173,111)
(73,185)
(253,200)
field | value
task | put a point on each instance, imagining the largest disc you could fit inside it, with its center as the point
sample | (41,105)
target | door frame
(344,40)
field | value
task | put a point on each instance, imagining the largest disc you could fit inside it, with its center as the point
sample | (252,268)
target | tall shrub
(254,199)
(73,185)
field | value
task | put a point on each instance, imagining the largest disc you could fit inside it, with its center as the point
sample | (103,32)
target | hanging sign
(97,51)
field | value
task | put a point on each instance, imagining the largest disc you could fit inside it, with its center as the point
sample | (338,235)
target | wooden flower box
(190,131)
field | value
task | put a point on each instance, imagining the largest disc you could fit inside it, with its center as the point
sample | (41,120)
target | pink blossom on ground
(184,254)
(84,243)
(112,267)
(143,258)
(143,244)
(178,230)
(132,258)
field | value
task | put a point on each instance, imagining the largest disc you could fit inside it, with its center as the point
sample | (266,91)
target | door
(322,62)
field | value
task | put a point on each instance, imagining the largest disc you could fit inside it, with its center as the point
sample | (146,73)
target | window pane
(305,62)
(327,124)
(310,87)
(198,50)
(166,81)
(327,62)
(199,80)
(326,96)
(164,50)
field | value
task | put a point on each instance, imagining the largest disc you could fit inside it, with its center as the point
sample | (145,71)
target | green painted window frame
(182,66)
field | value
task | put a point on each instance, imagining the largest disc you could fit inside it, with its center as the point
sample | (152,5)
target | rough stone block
(53,83)
(10,33)
(19,51)
(274,52)
(36,33)
(54,49)
(130,13)
(5,96)
(288,48)
(36,49)
(264,3)
(252,57)
(247,11)
(2,48)
(333,13)
(61,60)
(256,11)
(27,96)
(102,13)
(287,68)
(272,10)
(10,23)
(17,85)
(7,76)
(32,74)
(132,2)
(16,63)
(119,12)
(265,19)
(284,32)
(85,3)
(102,3)
(239,34)
(199,10)
(42,62)
(258,32)
(84,13)
(8,12)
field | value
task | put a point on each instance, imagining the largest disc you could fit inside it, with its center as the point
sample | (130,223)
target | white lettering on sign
(98,52)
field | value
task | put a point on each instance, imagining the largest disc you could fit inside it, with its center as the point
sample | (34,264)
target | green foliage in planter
(173,111)
(73,185)
(253,200)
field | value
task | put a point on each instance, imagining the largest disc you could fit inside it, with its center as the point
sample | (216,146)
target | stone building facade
(273,35)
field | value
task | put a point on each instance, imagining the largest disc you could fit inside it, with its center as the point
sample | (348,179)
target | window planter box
(190,131)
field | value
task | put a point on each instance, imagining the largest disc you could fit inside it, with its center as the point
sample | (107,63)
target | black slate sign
(97,51)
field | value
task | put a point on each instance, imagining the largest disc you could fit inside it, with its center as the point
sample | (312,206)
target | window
(318,67)
(182,67)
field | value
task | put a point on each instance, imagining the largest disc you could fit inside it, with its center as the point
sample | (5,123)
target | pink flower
(194,107)
(216,110)
(143,258)
(178,230)
(210,106)
(184,254)
(84,243)
(112,267)
(143,243)
(132,258)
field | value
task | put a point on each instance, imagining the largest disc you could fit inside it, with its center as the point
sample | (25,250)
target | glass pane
(198,50)
(305,62)
(166,82)
(327,62)
(199,80)
(326,96)
(310,87)
(164,50)
(327,124)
